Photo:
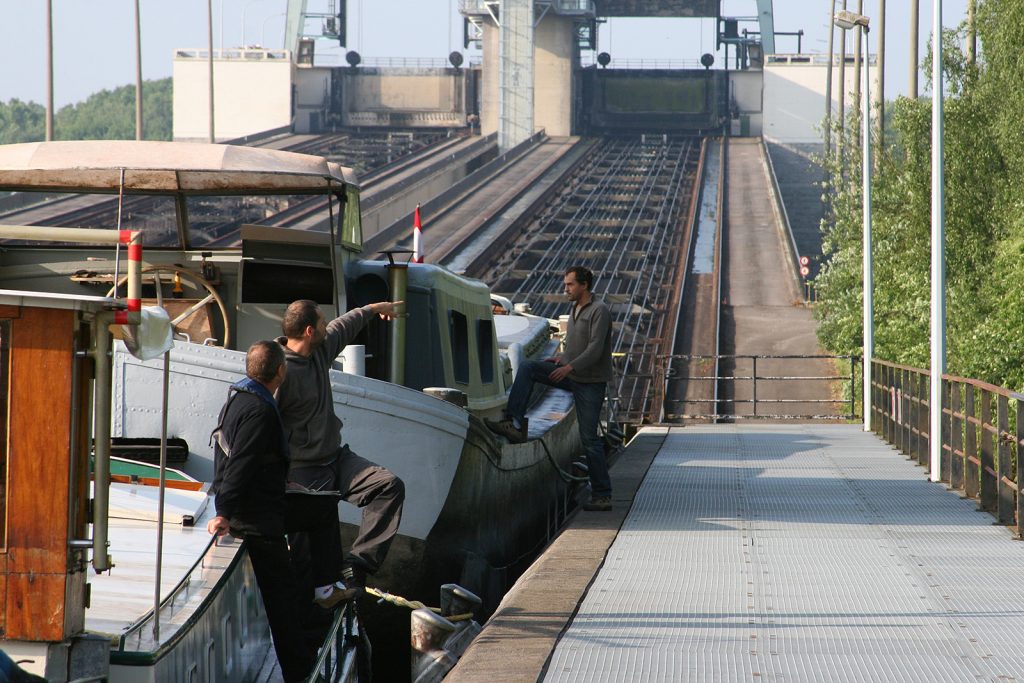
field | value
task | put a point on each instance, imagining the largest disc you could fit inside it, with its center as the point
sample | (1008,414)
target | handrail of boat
(346,656)
(174,592)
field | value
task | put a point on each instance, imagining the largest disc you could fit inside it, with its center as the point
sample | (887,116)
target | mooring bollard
(430,662)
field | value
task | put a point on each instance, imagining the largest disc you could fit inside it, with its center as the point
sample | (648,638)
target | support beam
(766,19)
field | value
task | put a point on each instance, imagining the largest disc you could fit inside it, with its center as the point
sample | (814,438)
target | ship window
(460,346)
(215,222)
(485,346)
(156,217)
(351,225)
(5,356)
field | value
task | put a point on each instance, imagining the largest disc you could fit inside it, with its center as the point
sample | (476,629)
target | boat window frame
(350,232)
(485,335)
(458,337)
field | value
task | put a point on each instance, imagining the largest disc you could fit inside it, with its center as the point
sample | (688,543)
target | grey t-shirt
(588,343)
(305,398)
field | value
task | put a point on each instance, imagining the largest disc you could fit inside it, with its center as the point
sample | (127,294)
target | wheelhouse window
(459,331)
(154,216)
(216,222)
(485,349)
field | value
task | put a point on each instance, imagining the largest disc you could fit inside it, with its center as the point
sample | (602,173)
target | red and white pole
(417,237)
(133,238)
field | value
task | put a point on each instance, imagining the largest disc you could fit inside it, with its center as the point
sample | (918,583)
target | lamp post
(847,21)
(938,289)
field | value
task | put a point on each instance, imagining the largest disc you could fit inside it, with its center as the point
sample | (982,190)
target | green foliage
(984,210)
(106,115)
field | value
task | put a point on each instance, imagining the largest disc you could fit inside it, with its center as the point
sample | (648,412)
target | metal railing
(826,397)
(982,433)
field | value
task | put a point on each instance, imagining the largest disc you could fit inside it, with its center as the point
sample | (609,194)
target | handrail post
(853,387)
(971,476)
(945,466)
(1019,519)
(1004,500)
(753,377)
(956,438)
(988,483)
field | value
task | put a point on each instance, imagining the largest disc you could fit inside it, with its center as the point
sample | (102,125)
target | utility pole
(914,11)
(49,70)
(138,73)
(880,70)
(828,80)
(842,87)
(857,57)
(209,43)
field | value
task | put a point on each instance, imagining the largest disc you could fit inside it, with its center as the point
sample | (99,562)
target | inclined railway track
(623,216)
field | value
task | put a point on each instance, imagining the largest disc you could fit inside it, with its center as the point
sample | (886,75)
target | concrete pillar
(554,63)
(489,79)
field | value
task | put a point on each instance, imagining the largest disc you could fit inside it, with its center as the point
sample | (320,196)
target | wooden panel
(7,311)
(38,472)
(32,611)
(3,595)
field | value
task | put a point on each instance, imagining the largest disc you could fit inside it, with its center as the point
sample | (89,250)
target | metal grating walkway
(798,553)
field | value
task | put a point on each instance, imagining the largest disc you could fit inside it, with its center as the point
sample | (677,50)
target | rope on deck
(399,601)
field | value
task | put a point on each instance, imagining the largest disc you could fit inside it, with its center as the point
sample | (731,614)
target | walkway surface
(784,553)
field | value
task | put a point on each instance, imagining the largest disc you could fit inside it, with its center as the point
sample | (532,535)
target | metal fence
(982,432)
(744,388)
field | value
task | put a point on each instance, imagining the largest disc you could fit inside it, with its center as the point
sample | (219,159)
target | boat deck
(765,553)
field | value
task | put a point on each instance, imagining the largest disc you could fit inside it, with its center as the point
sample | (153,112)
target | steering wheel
(193,281)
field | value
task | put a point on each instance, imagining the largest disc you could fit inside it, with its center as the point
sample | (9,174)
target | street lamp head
(847,20)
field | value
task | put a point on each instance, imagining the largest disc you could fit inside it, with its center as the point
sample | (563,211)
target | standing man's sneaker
(508,430)
(598,504)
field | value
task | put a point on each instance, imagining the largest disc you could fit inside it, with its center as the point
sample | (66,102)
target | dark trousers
(588,397)
(287,601)
(374,489)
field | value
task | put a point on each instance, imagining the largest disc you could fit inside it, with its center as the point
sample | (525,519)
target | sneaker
(506,429)
(339,593)
(598,504)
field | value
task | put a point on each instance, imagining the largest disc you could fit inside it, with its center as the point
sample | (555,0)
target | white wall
(252,93)
(794,97)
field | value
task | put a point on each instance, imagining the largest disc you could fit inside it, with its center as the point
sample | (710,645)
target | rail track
(624,216)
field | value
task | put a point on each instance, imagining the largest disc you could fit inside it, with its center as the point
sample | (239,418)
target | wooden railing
(982,433)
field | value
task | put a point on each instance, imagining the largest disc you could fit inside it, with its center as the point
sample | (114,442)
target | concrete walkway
(781,553)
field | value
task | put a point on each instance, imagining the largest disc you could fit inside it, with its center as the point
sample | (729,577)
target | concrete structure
(257,90)
(794,95)
(252,92)
(421,97)
(530,56)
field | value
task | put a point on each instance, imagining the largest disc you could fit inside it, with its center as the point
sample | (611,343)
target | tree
(106,115)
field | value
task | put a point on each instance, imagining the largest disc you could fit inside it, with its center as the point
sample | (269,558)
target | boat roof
(165,167)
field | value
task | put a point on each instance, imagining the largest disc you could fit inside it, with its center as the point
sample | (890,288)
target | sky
(94,40)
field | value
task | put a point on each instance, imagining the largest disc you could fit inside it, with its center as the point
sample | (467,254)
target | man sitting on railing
(251,467)
(584,368)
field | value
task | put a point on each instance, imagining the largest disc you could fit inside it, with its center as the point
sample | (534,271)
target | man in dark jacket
(319,459)
(251,465)
(584,368)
